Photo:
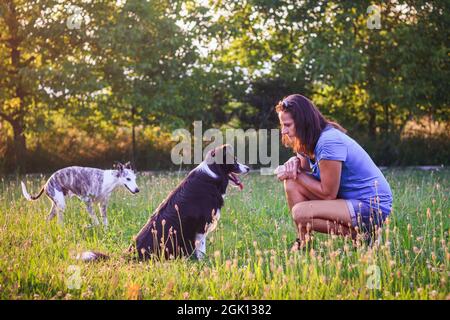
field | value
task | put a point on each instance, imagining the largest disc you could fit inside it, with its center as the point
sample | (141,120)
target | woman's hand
(290,169)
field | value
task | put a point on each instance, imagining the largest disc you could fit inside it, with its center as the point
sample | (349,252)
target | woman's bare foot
(298,245)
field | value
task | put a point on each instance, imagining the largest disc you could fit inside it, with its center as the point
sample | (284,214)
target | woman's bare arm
(293,166)
(330,177)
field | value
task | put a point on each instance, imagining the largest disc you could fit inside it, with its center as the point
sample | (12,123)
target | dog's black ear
(128,165)
(118,166)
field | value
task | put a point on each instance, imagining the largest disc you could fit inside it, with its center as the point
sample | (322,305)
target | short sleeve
(331,148)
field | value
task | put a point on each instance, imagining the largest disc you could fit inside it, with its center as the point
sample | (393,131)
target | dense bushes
(409,151)
(50,150)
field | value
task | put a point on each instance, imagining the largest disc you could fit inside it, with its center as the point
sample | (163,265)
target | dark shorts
(364,215)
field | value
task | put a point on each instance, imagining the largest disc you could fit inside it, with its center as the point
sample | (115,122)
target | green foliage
(125,63)
(385,76)
(166,63)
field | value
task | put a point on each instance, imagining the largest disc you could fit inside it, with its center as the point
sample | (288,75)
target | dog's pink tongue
(241,186)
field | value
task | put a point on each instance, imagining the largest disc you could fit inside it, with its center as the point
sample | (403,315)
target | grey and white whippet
(91,185)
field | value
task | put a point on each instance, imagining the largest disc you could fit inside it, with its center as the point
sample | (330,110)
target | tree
(371,79)
(42,64)
(128,61)
(258,52)
(397,68)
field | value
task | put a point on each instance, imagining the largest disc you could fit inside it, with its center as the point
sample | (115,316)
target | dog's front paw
(200,255)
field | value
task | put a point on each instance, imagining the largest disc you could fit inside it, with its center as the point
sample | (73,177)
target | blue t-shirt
(361,179)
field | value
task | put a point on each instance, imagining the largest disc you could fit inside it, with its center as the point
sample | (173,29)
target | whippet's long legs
(53,211)
(103,207)
(60,203)
(91,212)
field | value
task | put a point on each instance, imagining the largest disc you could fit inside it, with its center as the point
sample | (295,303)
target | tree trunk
(386,124)
(133,137)
(20,147)
(133,152)
(372,123)
(16,118)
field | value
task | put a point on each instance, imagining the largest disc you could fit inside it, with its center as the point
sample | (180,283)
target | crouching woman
(331,185)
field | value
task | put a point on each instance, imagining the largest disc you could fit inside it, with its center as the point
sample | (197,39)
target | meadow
(247,256)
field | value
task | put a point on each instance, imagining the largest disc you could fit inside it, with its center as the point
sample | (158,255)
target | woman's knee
(292,187)
(289,185)
(301,213)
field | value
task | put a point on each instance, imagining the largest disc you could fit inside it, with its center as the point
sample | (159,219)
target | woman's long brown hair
(309,123)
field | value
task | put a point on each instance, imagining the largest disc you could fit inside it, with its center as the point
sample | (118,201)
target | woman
(332,185)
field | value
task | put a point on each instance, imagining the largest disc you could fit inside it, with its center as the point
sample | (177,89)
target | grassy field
(247,255)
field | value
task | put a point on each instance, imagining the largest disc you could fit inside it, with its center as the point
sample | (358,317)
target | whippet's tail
(27,195)
(88,256)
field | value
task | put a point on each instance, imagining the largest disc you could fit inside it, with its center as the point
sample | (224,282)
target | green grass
(247,255)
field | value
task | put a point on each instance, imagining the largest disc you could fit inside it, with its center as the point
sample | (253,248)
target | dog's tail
(94,256)
(27,195)
(89,256)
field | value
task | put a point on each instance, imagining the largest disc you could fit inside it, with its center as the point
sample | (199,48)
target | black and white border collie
(181,223)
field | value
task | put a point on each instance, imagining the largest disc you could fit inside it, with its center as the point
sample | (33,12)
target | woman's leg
(296,193)
(312,214)
(325,216)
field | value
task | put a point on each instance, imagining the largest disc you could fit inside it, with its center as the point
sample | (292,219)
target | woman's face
(287,125)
